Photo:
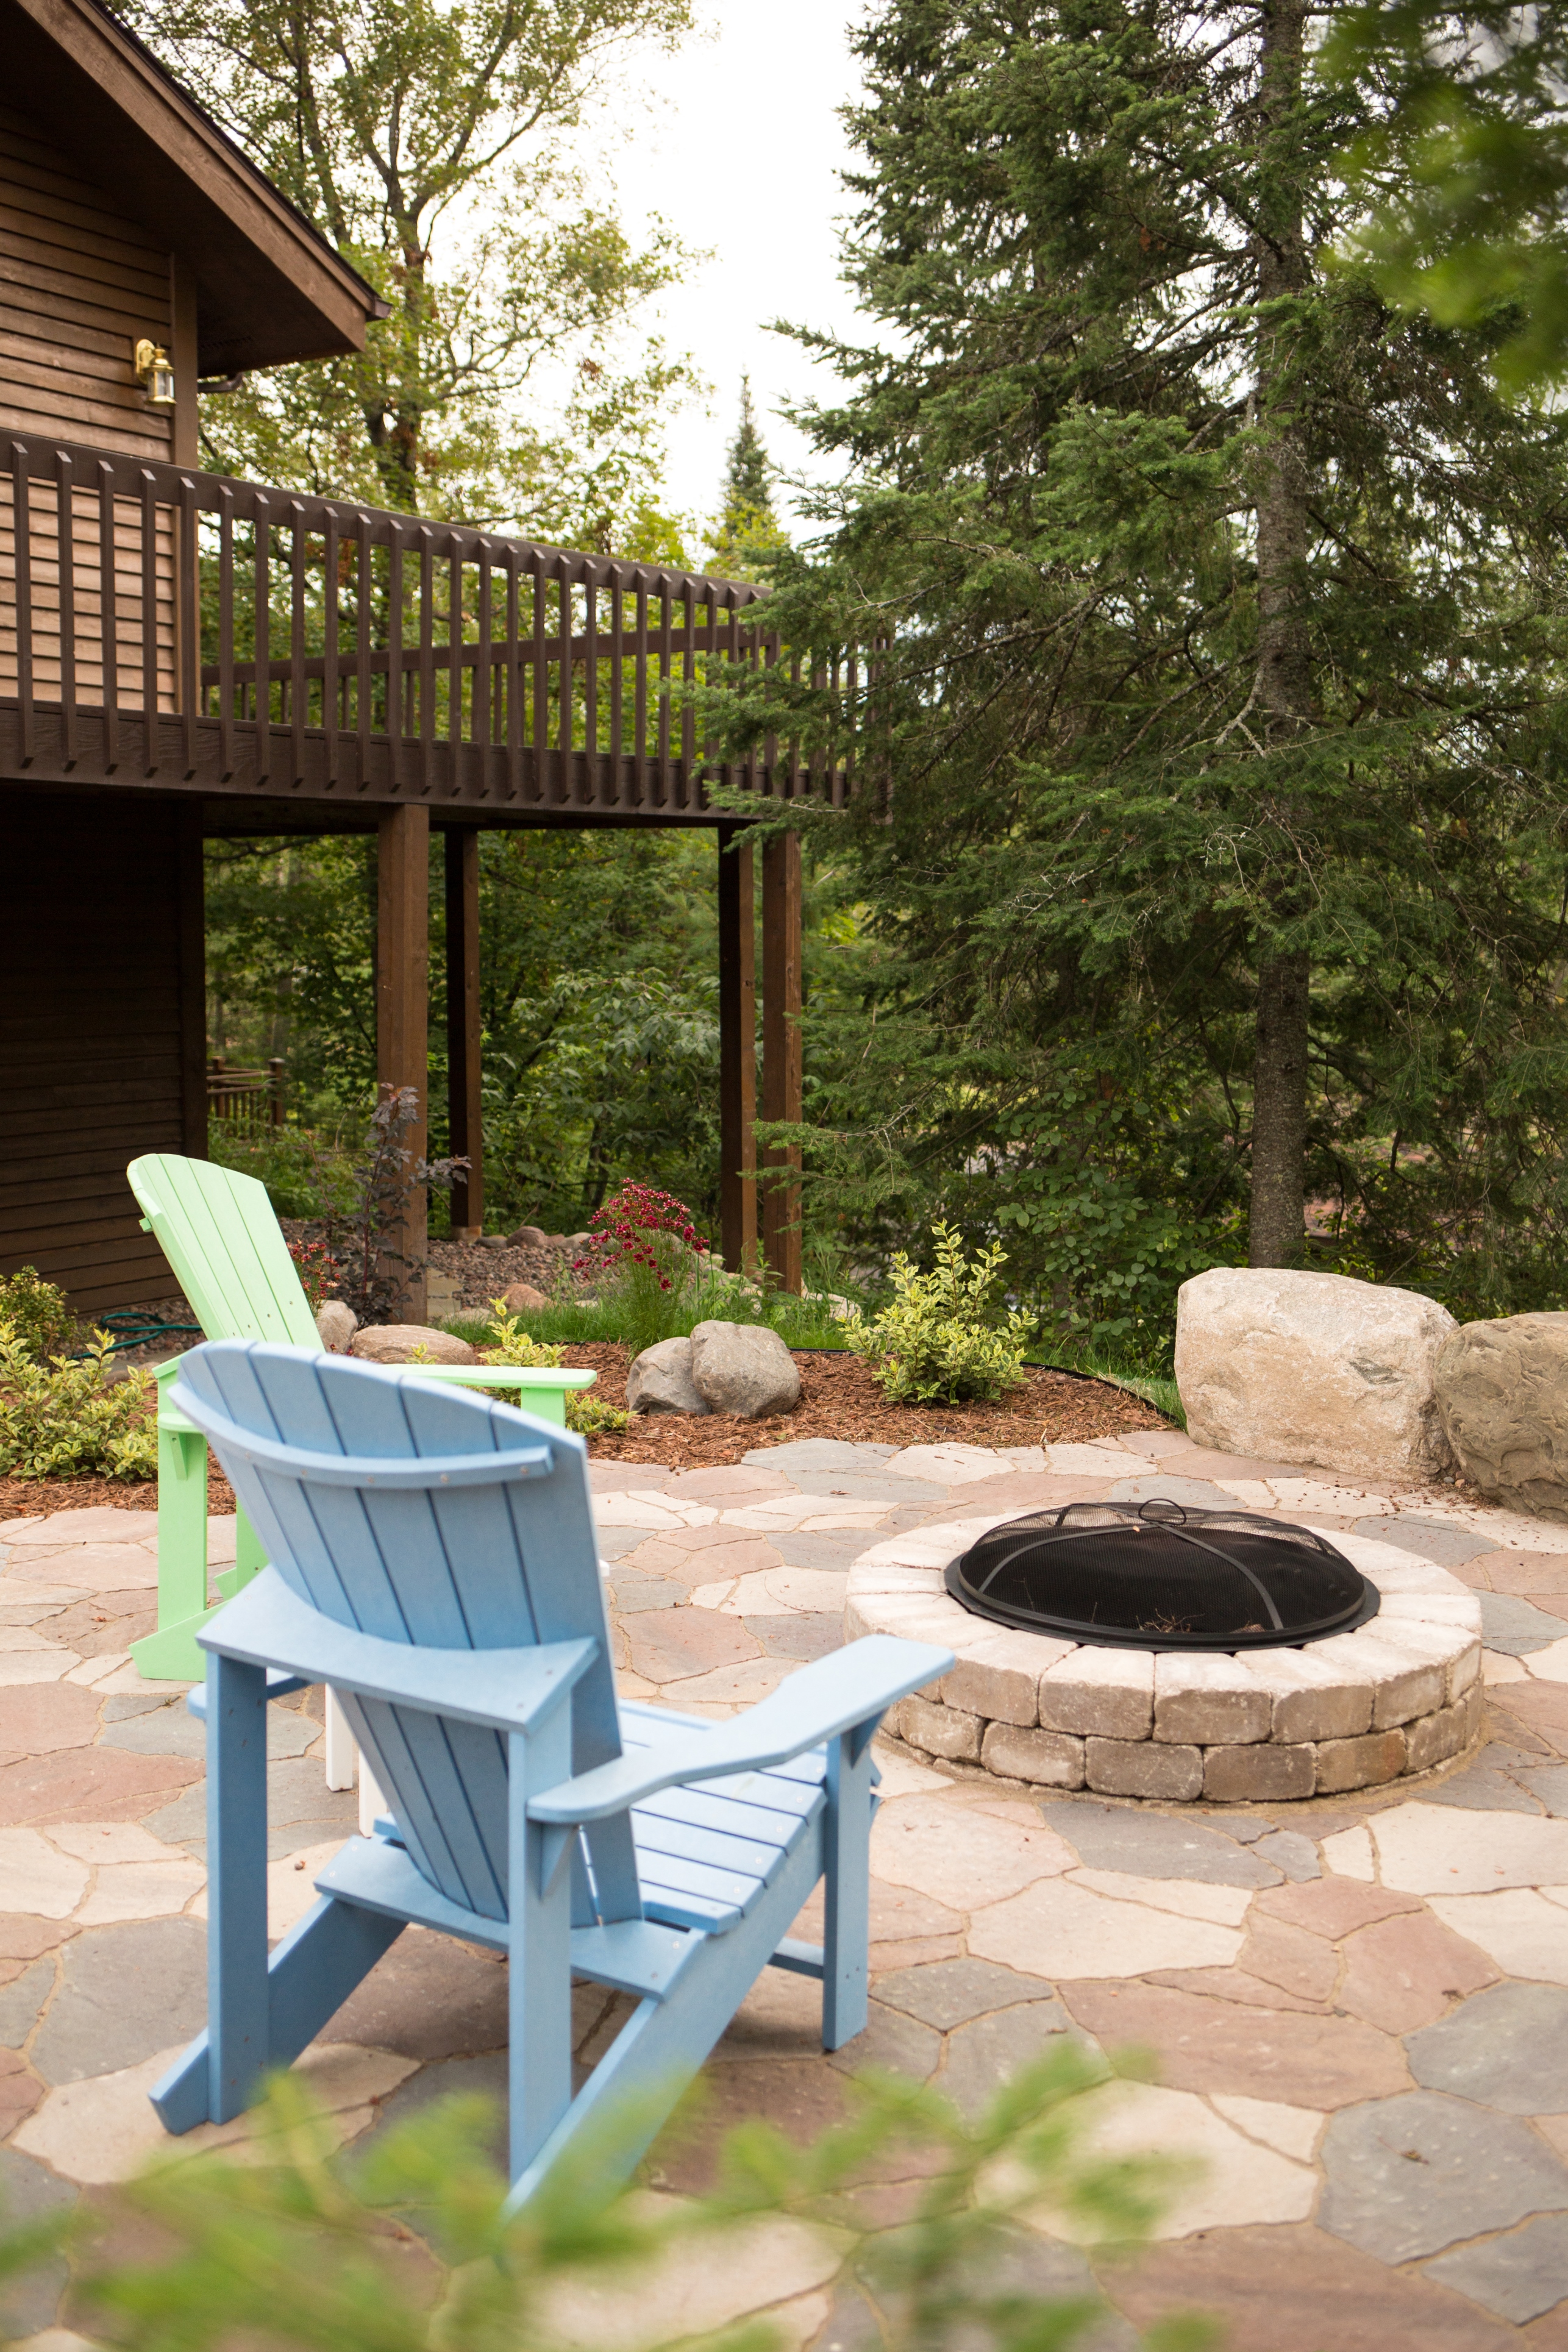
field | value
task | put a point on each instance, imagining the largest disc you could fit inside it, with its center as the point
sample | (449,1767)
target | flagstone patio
(1359,2005)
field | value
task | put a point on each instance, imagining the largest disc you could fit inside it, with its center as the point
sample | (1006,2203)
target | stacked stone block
(1401,1694)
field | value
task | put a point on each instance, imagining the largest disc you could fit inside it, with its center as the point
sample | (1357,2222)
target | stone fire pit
(1398,1695)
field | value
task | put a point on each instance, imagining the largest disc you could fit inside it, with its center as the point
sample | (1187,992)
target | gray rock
(1550,1783)
(337,1324)
(1505,2048)
(1517,1626)
(1411,2174)
(493,1241)
(947,1993)
(125,1993)
(1502,1391)
(1518,2277)
(1156,1845)
(744,1369)
(529,1237)
(989,2051)
(1317,1368)
(634,1591)
(1488,1785)
(661,1380)
(398,1343)
(30,2299)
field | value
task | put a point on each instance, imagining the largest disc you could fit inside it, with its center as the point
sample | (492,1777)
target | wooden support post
(737,1053)
(464,1025)
(781,1048)
(190,935)
(402,1010)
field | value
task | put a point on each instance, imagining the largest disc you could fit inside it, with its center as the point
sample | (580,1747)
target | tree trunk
(1282,679)
(1279,1114)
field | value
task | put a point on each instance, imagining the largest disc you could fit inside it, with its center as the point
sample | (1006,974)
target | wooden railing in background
(248,1099)
(181,629)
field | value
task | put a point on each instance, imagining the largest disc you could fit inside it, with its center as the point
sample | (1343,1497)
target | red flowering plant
(318,1271)
(644,1259)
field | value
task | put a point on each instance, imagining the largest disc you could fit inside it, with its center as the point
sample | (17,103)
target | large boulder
(1502,1391)
(337,1324)
(522,1299)
(399,1343)
(529,1237)
(744,1369)
(661,1380)
(1312,1368)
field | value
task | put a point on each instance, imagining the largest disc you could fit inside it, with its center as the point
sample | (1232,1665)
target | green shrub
(645,1261)
(507,1342)
(37,1313)
(934,1342)
(66,1420)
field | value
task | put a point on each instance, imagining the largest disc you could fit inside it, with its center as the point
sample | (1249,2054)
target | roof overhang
(269,289)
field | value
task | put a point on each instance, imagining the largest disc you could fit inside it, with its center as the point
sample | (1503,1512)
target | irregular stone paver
(1406,1972)
(1269,1957)
(1407,2177)
(1159,1845)
(1518,2277)
(29,2192)
(1207,2045)
(1507,2048)
(1299,2290)
(1230,2179)
(124,1993)
(1515,1627)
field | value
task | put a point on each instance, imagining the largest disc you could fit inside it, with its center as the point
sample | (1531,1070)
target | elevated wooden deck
(169,630)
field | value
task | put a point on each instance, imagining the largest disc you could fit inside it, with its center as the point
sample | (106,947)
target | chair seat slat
(725,1850)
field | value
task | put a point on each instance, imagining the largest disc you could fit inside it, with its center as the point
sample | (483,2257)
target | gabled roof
(270,287)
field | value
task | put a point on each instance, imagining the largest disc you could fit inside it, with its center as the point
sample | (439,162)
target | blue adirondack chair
(433,1558)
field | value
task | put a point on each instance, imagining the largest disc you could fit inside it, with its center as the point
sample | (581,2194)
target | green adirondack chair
(218,1232)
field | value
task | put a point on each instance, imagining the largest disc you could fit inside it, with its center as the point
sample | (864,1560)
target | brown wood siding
(100,1030)
(80,281)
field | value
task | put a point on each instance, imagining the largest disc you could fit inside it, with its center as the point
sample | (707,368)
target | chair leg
(171,1654)
(237,1999)
(539,1905)
(342,1753)
(846,1864)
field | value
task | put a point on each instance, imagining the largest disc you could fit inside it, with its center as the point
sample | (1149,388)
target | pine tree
(747,535)
(1220,696)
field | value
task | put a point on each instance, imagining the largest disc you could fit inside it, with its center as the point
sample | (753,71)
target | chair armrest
(505,1690)
(831,1695)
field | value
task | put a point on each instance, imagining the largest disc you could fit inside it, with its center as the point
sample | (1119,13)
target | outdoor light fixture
(154,373)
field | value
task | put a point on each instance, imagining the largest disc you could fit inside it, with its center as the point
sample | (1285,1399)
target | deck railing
(176,628)
(245,1100)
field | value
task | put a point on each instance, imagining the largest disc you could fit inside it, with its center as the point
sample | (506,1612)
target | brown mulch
(840,1399)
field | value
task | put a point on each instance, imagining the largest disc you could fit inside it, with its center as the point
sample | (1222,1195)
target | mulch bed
(839,1398)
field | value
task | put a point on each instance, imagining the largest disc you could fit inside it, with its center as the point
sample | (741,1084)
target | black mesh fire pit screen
(1159,1576)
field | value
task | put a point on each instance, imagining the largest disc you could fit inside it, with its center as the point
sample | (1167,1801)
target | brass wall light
(154,373)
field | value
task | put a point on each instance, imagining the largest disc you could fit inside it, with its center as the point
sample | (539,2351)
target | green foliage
(290,2246)
(747,535)
(67,1420)
(506,1342)
(937,1339)
(305,1172)
(413,129)
(365,1234)
(37,1313)
(1464,172)
(591,1416)
(1222,623)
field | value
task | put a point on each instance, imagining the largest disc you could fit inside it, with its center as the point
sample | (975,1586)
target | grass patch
(799,1322)
(1158,1389)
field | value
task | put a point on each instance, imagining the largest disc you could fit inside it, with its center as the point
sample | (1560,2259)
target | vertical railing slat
(225,635)
(108,614)
(331,715)
(261,604)
(21,538)
(64,526)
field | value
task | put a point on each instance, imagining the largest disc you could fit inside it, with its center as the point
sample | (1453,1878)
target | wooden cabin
(184,656)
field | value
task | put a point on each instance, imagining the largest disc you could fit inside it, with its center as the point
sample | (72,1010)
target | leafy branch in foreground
(286,2245)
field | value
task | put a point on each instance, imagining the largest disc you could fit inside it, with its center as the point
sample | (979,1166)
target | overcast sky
(744,116)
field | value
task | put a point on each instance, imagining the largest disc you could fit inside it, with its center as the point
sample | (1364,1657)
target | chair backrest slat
(218,1232)
(503,1565)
